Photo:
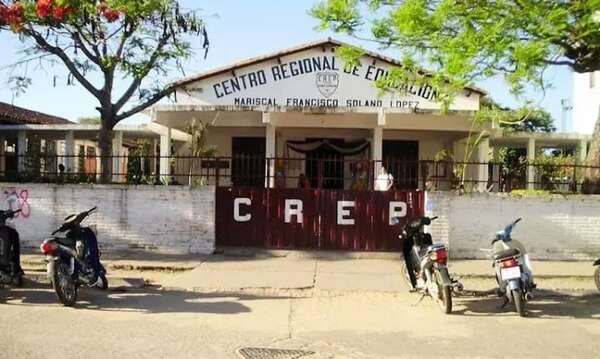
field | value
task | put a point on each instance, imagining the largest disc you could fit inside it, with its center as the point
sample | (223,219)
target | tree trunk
(105,143)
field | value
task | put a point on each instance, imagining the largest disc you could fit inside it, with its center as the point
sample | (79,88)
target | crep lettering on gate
(294,208)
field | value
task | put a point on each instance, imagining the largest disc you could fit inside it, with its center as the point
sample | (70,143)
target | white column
(117,152)
(582,151)
(165,156)
(530,160)
(270,153)
(69,152)
(153,155)
(2,156)
(483,157)
(21,150)
(377,151)
(496,169)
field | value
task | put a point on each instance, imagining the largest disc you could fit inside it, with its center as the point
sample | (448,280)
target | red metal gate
(316,219)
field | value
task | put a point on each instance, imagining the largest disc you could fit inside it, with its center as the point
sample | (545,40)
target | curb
(311,292)
(38,278)
(39,267)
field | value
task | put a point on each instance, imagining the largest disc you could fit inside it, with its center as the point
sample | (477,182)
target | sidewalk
(297,272)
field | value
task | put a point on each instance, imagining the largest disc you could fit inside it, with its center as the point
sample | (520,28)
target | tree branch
(151,101)
(95,59)
(135,84)
(39,39)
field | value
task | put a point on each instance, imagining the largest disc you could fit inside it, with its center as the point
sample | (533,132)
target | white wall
(553,228)
(163,219)
(586,102)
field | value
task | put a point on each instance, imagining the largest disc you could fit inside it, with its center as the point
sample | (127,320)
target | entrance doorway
(248,161)
(325,166)
(401,159)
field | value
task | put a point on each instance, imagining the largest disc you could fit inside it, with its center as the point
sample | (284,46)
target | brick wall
(553,228)
(181,220)
(163,219)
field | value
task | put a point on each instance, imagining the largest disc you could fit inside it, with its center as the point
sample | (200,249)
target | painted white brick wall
(161,219)
(553,228)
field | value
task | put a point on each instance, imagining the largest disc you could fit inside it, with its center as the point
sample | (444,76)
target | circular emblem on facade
(327,82)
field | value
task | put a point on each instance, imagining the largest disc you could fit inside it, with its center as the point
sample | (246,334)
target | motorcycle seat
(435,247)
(65,242)
(506,254)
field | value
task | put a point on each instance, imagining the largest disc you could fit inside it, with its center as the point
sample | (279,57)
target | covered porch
(70,152)
(342,148)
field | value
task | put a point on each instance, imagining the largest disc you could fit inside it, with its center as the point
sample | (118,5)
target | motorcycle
(11,272)
(597,273)
(429,264)
(74,260)
(513,270)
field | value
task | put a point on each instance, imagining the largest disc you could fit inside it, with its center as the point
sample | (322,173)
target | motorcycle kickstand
(423,295)
(506,301)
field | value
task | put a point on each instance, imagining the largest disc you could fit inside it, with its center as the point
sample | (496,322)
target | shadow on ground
(151,300)
(546,305)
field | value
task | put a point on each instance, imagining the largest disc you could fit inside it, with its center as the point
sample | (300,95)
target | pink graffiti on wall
(18,199)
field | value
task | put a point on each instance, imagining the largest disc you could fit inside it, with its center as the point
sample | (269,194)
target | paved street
(154,323)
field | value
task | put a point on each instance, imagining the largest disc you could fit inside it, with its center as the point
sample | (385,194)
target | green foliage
(553,170)
(466,41)
(524,119)
(139,164)
(199,138)
(89,120)
(523,193)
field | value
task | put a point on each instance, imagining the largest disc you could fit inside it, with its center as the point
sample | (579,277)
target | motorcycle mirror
(426,221)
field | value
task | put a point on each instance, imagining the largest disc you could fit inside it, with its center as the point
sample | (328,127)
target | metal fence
(323,172)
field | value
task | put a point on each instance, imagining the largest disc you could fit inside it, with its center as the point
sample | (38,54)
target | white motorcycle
(513,269)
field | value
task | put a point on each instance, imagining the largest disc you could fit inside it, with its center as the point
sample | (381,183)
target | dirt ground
(155,323)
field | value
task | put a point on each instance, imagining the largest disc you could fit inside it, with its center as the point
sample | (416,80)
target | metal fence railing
(306,172)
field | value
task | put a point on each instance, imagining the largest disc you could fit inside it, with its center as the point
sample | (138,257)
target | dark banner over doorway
(314,219)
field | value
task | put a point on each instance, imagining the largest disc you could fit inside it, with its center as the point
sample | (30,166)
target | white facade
(586,102)
(311,78)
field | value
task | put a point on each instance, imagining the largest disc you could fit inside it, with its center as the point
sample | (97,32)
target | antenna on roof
(566,106)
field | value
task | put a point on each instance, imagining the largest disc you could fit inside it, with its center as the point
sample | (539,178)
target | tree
(467,41)
(101,42)
(89,120)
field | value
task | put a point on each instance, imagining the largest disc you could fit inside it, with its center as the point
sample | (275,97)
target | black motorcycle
(11,272)
(74,260)
(597,273)
(428,262)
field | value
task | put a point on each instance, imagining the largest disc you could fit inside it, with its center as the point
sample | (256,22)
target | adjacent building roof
(14,115)
(293,50)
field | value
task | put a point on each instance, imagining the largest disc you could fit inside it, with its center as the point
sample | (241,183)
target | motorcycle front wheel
(444,298)
(597,277)
(64,285)
(519,302)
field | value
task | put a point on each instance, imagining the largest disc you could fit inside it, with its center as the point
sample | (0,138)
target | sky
(238,29)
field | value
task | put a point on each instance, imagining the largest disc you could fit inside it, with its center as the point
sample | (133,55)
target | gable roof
(291,51)
(14,115)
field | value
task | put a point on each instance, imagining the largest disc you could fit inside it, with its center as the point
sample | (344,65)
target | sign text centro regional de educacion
(322,81)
